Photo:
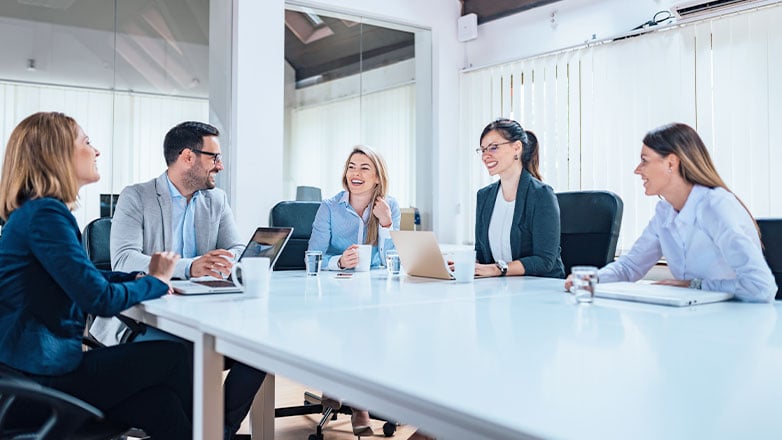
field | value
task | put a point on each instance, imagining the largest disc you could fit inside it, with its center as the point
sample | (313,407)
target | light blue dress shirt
(337,226)
(183,241)
(712,238)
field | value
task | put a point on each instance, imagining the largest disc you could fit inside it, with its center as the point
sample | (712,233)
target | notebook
(420,255)
(265,242)
(659,294)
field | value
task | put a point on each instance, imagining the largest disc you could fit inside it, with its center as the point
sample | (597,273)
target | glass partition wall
(353,80)
(126,70)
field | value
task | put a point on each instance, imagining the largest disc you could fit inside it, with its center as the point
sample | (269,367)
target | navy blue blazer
(47,284)
(534,234)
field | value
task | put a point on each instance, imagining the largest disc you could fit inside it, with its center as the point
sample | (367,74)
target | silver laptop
(265,242)
(420,255)
(659,294)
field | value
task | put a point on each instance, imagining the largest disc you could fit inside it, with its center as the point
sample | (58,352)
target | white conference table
(501,358)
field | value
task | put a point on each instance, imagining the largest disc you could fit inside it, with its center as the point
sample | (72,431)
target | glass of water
(584,280)
(312,261)
(392,262)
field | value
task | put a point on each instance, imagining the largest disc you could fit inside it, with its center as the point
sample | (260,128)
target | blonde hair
(39,162)
(380,188)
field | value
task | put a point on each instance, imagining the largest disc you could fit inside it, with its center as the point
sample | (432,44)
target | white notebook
(659,294)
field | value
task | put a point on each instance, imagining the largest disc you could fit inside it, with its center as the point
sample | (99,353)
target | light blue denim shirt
(337,226)
(183,241)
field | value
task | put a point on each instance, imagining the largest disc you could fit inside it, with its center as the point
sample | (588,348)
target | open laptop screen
(267,242)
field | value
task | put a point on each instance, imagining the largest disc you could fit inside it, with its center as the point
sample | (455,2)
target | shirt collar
(345,200)
(175,194)
(688,213)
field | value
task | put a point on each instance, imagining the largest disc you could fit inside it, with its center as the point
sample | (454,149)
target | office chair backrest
(771,234)
(308,193)
(96,238)
(299,215)
(590,222)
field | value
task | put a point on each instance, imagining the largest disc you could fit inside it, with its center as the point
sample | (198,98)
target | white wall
(531,32)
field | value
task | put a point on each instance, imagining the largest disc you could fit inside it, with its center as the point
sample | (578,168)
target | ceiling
(488,10)
(335,48)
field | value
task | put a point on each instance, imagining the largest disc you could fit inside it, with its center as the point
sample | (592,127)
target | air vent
(715,7)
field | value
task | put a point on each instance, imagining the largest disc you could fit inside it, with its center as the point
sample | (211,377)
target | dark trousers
(241,383)
(147,385)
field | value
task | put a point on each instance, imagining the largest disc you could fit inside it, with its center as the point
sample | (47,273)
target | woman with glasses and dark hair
(707,235)
(517,217)
(48,285)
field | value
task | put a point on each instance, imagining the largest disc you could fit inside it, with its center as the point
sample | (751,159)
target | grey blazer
(142,226)
(534,234)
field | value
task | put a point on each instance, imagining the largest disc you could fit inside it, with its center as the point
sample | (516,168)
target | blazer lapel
(518,209)
(485,219)
(203,227)
(164,202)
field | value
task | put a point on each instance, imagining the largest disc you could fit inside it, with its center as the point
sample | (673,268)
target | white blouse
(712,239)
(499,228)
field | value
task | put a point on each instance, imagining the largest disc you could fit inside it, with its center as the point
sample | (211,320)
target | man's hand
(216,263)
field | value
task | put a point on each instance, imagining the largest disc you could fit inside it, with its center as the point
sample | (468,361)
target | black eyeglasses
(491,148)
(216,157)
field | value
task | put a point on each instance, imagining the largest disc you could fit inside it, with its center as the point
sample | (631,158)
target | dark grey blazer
(534,235)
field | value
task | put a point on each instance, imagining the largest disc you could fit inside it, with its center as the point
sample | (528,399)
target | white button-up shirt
(713,238)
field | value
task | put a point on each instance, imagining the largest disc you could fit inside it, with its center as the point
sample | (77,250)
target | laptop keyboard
(215,283)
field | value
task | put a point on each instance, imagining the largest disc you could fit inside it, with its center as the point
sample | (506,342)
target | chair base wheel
(389,429)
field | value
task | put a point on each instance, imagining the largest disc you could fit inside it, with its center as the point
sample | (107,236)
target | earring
(515,157)
(670,170)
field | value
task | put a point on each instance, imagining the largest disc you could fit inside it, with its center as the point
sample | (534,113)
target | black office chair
(771,234)
(32,411)
(590,222)
(300,215)
(96,238)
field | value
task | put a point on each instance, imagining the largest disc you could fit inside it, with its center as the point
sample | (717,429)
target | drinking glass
(584,280)
(392,263)
(312,262)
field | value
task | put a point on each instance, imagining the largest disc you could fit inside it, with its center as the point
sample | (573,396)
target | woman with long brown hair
(708,237)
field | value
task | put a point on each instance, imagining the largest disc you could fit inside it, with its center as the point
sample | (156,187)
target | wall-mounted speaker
(468,27)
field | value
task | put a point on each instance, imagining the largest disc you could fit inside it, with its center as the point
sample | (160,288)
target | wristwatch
(502,266)
(695,283)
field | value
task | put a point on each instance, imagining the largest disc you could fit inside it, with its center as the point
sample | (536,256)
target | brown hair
(695,164)
(380,188)
(39,162)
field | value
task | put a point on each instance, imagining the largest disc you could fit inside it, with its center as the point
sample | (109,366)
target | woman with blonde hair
(48,285)
(363,213)
(708,237)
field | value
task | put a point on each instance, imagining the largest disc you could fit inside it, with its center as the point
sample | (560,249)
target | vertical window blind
(323,134)
(127,128)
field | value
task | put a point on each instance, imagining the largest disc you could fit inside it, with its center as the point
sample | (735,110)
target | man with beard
(182,211)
